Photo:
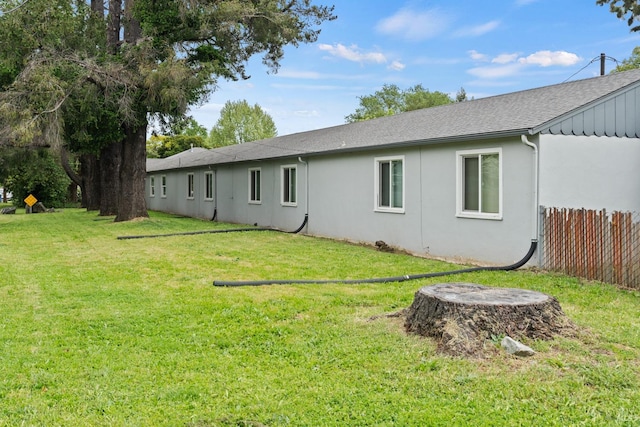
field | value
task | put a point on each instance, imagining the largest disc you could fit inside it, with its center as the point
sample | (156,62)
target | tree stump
(463,316)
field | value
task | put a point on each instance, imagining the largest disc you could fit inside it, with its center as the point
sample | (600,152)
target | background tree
(154,142)
(189,127)
(461,95)
(624,9)
(630,63)
(239,122)
(178,143)
(187,133)
(37,172)
(143,58)
(391,100)
(629,10)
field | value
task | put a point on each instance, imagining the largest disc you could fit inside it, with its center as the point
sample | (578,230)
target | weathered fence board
(592,244)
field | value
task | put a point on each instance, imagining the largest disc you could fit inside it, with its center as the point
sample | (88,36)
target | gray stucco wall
(176,200)
(341,202)
(590,172)
(233,195)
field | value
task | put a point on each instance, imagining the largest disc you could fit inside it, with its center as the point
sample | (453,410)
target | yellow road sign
(30,200)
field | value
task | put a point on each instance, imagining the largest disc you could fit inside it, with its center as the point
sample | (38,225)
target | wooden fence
(596,245)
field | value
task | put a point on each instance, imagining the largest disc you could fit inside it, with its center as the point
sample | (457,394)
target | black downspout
(515,266)
(229,230)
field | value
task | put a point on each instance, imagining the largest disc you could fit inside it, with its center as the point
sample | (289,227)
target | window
(389,184)
(152,186)
(289,185)
(254,186)
(208,185)
(163,186)
(479,183)
(190,186)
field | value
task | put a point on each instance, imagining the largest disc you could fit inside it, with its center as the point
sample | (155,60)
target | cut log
(463,316)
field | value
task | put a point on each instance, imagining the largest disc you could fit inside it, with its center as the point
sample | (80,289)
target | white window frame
(255,189)
(285,169)
(378,207)
(208,186)
(163,186)
(460,182)
(152,186)
(191,186)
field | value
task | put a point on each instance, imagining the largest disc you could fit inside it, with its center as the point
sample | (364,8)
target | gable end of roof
(615,115)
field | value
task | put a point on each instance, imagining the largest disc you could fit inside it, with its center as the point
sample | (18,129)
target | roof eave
(429,141)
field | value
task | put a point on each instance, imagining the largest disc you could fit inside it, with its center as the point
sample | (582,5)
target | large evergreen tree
(69,69)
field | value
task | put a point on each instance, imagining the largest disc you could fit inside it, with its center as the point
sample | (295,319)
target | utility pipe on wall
(306,196)
(536,220)
(215,195)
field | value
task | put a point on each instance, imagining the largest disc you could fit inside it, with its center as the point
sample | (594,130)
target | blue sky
(486,47)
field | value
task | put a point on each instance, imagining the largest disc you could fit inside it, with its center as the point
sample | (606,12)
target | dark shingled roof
(514,113)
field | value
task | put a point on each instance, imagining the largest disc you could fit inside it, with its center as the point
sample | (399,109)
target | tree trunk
(97,7)
(133,170)
(110,159)
(71,173)
(72,192)
(76,180)
(132,29)
(90,185)
(463,317)
(113,26)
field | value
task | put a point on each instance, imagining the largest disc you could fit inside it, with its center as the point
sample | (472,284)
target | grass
(97,331)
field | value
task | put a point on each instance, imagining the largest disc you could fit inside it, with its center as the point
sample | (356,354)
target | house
(464,181)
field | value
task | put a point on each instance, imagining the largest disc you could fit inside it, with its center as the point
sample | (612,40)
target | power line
(597,58)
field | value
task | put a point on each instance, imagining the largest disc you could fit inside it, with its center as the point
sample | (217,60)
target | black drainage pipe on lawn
(515,266)
(229,230)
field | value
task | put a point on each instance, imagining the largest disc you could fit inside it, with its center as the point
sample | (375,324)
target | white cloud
(306,113)
(353,53)
(477,56)
(414,25)
(496,72)
(306,87)
(477,30)
(397,66)
(547,58)
(296,74)
(505,58)
(510,64)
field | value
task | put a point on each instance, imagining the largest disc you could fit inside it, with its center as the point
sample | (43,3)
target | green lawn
(106,332)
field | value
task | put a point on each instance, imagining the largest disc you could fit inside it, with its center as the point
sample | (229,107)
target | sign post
(30,201)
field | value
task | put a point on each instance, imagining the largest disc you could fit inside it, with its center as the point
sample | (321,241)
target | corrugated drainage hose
(515,266)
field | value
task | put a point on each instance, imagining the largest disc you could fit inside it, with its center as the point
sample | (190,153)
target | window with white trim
(479,183)
(255,186)
(163,186)
(208,185)
(289,185)
(152,186)
(190,186)
(389,184)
